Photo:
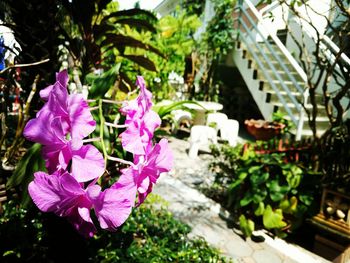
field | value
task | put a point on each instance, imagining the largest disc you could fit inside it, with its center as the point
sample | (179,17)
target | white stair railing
(262,28)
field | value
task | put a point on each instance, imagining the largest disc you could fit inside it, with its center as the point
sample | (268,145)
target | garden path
(203,214)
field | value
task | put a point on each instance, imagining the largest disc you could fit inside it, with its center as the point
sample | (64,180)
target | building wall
(167,7)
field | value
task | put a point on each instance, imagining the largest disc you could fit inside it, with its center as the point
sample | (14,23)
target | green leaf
(142,61)
(260,210)
(254,169)
(293,176)
(247,226)
(277,192)
(122,41)
(306,198)
(134,22)
(248,198)
(259,194)
(132,12)
(30,163)
(273,219)
(258,178)
(101,84)
(285,205)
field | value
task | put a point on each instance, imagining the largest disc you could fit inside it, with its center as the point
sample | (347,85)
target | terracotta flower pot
(263,130)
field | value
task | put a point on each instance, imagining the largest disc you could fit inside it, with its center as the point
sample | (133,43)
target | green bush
(264,190)
(151,234)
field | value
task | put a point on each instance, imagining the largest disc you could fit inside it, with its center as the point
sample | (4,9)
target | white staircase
(273,76)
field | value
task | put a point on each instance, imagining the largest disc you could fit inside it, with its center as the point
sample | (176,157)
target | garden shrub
(151,234)
(263,190)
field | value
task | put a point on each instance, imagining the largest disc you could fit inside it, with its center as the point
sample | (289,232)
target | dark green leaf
(134,22)
(248,198)
(277,192)
(306,198)
(30,163)
(24,168)
(119,40)
(142,61)
(132,12)
(101,84)
(258,178)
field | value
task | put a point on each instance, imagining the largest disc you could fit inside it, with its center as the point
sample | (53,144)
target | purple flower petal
(46,129)
(81,121)
(81,221)
(87,163)
(61,83)
(64,196)
(112,208)
(131,139)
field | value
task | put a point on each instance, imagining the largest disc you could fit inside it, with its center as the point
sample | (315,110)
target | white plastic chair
(201,136)
(218,118)
(180,116)
(229,131)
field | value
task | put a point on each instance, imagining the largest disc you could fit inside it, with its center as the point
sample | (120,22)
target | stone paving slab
(202,214)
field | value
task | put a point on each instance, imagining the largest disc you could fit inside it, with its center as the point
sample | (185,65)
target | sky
(145,4)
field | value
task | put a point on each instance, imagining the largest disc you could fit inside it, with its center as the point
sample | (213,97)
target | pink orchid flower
(144,174)
(65,196)
(141,121)
(60,127)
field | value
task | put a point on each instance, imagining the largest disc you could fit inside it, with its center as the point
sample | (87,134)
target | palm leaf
(119,41)
(142,61)
(132,12)
(135,22)
(164,110)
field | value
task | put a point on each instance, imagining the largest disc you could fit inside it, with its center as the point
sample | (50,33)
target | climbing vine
(214,44)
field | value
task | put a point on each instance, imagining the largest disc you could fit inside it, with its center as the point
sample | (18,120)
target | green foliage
(265,188)
(151,234)
(100,85)
(30,163)
(280,117)
(102,36)
(247,226)
(215,43)
(175,40)
(165,110)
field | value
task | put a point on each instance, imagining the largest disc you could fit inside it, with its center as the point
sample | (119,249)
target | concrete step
(282,73)
(320,108)
(272,96)
(305,133)
(266,86)
(322,123)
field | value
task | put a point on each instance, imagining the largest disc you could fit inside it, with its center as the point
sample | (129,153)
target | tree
(325,61)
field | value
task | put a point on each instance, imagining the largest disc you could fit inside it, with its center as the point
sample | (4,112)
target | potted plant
(264,130)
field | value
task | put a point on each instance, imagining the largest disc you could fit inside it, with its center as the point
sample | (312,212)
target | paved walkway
(202,214)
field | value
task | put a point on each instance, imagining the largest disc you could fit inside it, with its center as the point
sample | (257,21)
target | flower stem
(112,101)
(94,108)
(117,126)
(102,123)
(115,159)
(92,140)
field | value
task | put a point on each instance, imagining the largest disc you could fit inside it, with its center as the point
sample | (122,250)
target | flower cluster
(71,189)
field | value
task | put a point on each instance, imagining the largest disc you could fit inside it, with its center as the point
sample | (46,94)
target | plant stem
(25,65)
(115,159)
(102,123)
(92,140)
(117,126)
